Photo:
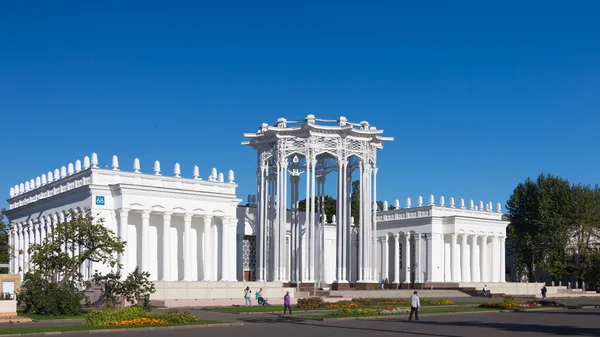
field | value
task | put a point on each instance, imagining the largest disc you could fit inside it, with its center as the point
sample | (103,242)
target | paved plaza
(561,322)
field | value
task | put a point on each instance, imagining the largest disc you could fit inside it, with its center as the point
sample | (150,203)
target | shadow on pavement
(505,326)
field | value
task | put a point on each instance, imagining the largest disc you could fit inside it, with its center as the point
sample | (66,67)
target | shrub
(42,297)
(106,316)
(356,312)
(137,316)
(174,317)
(140,321)
(311,303)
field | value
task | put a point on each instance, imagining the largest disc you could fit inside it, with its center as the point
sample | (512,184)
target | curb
(192,326)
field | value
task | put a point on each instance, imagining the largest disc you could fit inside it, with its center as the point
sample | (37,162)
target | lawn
(256,309)
(42,317)
(423,311)
(65,328)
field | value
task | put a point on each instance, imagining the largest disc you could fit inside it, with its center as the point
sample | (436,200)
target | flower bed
(342,305)
(139,321)
(442,301)
(137,316)
(355,312)
(393,311)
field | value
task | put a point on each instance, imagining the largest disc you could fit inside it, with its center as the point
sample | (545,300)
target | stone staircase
(477,292)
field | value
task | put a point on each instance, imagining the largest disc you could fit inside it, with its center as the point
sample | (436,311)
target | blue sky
(478,95)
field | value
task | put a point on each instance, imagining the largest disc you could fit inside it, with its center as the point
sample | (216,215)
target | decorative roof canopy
(315,126)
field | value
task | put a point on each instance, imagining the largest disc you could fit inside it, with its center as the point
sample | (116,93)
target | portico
(438,243)
(177,229)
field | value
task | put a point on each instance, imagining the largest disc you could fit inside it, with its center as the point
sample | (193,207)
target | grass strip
(421,312)
(67,328)
(277,308)
(43,317)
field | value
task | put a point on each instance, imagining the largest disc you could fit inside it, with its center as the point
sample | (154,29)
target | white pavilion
(196,241)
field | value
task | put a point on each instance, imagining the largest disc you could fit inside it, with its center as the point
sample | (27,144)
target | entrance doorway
(247,275)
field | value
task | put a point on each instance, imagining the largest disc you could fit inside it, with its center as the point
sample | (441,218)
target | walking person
(544,291)
(415,305)
(247,293)
(286,303)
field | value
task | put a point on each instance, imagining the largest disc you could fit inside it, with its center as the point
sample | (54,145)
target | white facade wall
(197,216)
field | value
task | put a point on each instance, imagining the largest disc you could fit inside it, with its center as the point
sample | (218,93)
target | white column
(475,274)
(21,266)
(502,259)
(454,260)
(419,270)
(483,260)
(374,227)
(18,247)
(277,225)
(361,225)
(283,224)
(407,258)
(396,260)
(207,249)
(294,230)
(187,247)
(465,259)
(225,249)
(494,259)
(166,259)
(262,211)
(232,262)
(313,236)
(343,220)
(27,243)
(386,257)
(146,242)
(123,228)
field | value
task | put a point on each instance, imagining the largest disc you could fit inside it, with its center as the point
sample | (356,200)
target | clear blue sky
(478,96)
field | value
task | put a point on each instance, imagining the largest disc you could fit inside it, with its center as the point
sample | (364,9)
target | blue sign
(99,200)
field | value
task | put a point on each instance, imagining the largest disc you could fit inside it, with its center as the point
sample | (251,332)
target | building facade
(189,229)
(177,229)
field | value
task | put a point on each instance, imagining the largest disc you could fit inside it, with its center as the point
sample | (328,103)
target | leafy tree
(541,217)
(587,228)
(355,201)
(51,287)
(330,207)
(84,240)
(110,286)
(44,297)
(137,288)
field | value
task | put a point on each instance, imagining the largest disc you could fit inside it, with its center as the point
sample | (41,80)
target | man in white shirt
(485,290)
(415,305)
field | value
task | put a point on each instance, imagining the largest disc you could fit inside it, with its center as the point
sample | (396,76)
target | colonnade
(476,258)
(24,234)
(218,250)
(306,239)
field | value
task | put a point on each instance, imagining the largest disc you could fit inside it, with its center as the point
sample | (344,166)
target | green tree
(52,286)
(586,230)
(542,218)
(355,201)
(84,239)
(137,289)
(330,207)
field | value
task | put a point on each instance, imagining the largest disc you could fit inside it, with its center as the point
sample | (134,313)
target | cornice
(144,191)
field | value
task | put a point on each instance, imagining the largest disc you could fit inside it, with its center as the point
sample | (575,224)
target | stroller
(263,301)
